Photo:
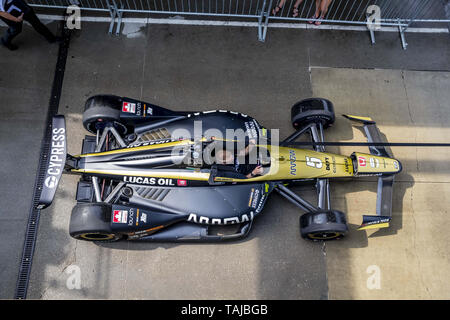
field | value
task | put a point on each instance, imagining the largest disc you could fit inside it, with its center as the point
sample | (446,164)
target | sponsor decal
(131,217)
(231,220)
(333,159)
(56,161)
(374,163)
(137,108)
(141,233)
(181,183)
(150,181)
(396,165)
(376,222)
(143,218)
(129,107)
(362,161)
(251,129)
(254,202)
(51,182)
(346,165)
(369,174)
(148,111)
(148,143)
(327,163)
(260,205)
(120,216)
(223,179)
(293,167)
(251,197)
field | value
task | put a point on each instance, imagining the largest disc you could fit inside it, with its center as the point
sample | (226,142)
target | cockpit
(231,159)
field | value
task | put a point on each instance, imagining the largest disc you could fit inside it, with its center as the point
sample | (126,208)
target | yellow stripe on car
(188,175)
(375,226)
(139,148)
(358,118)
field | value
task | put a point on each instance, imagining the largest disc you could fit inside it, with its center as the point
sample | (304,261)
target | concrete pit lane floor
(25,80)
(204,68)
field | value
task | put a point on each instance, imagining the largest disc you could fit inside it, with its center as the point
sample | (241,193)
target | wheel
(312,110)
(323,225)
(91,221)
(102,110)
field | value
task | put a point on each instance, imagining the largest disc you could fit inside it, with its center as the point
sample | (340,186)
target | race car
(151,174)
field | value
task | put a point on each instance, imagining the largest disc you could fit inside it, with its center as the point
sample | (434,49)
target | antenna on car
(371,144)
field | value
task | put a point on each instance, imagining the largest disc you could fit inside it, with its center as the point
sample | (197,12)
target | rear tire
(323,225)
(315,110)
(92,222)
(101,110)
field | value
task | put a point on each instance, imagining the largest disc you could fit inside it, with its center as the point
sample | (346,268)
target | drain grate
(33,218)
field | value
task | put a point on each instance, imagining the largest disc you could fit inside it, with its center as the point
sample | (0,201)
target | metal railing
(392,13)
(400,14)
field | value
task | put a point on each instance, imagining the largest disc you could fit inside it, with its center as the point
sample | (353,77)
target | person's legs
(31,17)
(296,5)
(316,13)
(324,7)
(318,4)
(278,7)
(324,4)
(14,29)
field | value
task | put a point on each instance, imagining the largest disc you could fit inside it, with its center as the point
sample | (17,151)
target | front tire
(92,222)
(323,225)
(101,110)
(314,110)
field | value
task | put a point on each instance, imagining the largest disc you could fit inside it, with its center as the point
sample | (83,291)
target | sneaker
(9,45)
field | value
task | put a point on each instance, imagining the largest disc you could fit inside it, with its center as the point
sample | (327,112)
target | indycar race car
(148,173)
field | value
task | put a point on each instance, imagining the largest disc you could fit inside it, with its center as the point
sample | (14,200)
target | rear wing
(56,159)
(385,181)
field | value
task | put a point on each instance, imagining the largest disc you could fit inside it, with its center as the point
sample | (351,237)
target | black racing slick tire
(102,110)
(313,110)
(323,225)
(92,222)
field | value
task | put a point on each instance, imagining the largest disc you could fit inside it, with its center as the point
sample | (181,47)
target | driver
(230,166)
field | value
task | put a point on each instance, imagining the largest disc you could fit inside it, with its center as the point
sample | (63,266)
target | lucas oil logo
(151,181)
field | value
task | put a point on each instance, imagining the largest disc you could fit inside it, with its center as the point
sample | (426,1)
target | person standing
(13,13)
(321,10)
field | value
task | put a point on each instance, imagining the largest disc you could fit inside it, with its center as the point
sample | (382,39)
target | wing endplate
(56,159)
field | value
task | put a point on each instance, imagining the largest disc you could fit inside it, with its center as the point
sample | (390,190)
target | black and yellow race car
(148,173)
